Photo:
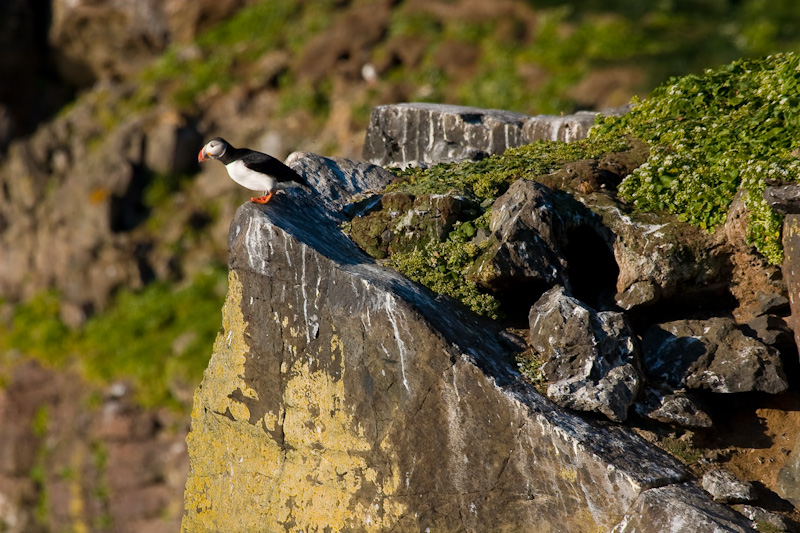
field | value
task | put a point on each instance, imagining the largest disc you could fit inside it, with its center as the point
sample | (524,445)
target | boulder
(524,249)
(725,487)
(791,269)
(678,408)
(662,259)
(341,395)
(590,358)
(565,128)
(401,134)
(784,199)
(712,354)
(774,331)
(681,508)
(760,517)
(435,133)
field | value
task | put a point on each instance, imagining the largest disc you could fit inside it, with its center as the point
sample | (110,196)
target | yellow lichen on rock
(226,367)
(242,479)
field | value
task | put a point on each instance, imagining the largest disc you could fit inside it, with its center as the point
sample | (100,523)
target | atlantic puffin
(252,170)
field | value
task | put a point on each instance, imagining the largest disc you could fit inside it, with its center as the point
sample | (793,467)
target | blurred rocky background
(113,243)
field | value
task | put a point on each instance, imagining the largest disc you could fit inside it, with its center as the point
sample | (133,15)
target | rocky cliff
(341,396)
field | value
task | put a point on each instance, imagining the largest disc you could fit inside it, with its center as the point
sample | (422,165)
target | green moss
(217,56)
(155,336)
(442,267)
(682,448)
(36,328)
(487,179)
(730,128)
(530,365)
(41,421)
(101,492)
(766,527)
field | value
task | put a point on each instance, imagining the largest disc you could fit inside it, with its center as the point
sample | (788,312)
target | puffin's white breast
(249,179)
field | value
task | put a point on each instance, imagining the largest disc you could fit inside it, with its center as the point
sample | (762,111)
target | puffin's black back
(260,162)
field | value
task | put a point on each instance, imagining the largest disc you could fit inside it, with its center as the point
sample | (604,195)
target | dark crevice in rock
(591,268)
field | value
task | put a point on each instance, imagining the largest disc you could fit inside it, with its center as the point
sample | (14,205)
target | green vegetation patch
(710,135)
(225,55)
(155,337)
(443,266)
(487,179)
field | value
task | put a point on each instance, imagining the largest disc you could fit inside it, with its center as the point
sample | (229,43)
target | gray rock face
(783,199)
(678,509)
(676,408)
(407,133)
(711,354)
(725,487)
(339,392)
(335,180)
(524,247)
(791,269)
(660,259)
(565,128)
(435,133)
(69,211)
(590,358)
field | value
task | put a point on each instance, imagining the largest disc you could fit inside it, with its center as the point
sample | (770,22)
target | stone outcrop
(74,199)
(590,359)
(342,396)
(524,246)
(402,134)
(791,269)
(684,514)
(725,487)
(711,354)
(402,222)
(675,407)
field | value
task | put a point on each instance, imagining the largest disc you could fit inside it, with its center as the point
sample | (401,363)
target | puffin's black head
(214,149)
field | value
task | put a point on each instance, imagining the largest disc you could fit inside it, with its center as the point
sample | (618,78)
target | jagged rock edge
(283,215)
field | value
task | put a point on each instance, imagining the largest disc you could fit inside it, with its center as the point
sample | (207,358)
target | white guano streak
(401,346)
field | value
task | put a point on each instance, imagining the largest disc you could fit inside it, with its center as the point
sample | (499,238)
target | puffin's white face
(214,149)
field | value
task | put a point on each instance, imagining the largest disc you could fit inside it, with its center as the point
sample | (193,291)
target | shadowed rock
(590,358)
(524,247)
(711,354)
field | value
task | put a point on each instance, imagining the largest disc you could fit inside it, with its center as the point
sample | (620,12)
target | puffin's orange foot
(262,199)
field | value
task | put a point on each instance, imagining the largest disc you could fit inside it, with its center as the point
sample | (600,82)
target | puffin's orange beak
(202,155)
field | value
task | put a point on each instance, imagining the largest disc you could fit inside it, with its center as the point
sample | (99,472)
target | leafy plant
(710,135)
(36,328)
